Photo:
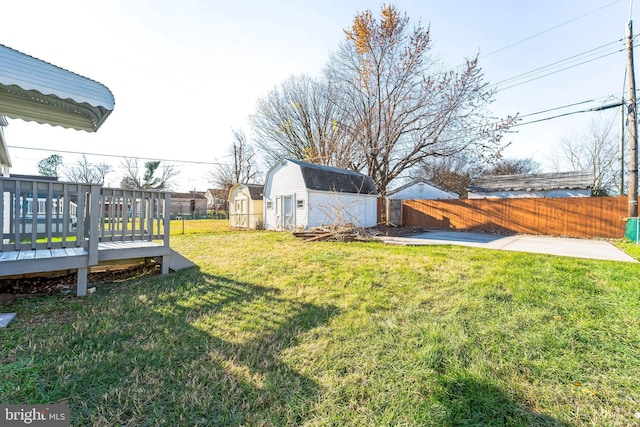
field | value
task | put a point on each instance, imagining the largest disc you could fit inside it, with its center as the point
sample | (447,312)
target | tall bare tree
(398,107)
(300,119)
(86,172)
(594,150)
(241,165)
(150,179)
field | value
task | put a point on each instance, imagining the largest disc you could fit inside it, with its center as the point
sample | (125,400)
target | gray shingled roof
(327,178)
(256,191)
(538,182)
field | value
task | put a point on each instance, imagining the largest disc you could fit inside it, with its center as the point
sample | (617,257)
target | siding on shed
(358,209)
(285,180)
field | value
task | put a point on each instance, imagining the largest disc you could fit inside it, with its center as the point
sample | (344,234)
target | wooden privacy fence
(573,217)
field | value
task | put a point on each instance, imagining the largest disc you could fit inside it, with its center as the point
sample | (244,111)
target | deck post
(81,289)
(166,218)
(166,230)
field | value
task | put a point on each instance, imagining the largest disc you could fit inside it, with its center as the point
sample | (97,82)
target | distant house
(217,200)
(562,184)
(420,189)
(191,203)
(246,206)
(301,195)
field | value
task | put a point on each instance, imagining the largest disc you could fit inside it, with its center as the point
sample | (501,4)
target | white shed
(301,195)
(421,189)
(246,206)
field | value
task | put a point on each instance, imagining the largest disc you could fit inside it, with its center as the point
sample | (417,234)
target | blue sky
(185,73)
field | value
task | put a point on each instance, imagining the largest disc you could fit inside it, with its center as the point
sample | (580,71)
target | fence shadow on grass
(471,402)
(199,349)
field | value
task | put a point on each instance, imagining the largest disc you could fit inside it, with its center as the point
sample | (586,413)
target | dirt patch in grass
(389,230)
(24,287)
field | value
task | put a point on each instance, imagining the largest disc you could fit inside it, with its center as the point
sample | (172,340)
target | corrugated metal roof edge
(111,107)
(578,180)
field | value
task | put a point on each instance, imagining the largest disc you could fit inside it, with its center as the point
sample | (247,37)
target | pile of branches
(347,233)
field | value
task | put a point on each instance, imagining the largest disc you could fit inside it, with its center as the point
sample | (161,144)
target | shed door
(241,212)
(287,211)
(284,213)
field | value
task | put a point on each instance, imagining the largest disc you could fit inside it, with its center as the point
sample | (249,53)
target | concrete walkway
(577,248)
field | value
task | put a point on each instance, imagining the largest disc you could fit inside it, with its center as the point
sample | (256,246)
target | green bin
(632,231)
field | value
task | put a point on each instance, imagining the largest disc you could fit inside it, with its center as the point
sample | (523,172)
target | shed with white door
(300,195)
(245,206)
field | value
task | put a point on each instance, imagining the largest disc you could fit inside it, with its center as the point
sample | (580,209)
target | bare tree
(398,107)
(86,172)
(595,150)
(242,167)
(512,166)
(150,180)
(452,173)
(300,119)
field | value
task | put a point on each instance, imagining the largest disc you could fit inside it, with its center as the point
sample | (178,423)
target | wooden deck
(52,226)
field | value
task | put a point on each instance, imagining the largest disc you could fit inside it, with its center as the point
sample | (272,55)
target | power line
(565,106)
(601,108)
(117,156)
(560,70)
(550,29)
(560,62)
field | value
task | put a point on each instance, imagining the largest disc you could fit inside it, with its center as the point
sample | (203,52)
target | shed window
(269,204)
(300,204)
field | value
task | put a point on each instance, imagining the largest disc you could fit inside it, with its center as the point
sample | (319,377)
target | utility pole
(632,118)
(235,163)
(621,181)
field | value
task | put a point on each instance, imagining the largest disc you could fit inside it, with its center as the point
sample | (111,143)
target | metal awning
(34,90)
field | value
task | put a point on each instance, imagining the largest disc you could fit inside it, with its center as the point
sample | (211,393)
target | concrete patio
(560,246)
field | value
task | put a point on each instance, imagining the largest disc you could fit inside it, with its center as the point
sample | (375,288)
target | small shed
(246,206)
(559,184)
(302,195)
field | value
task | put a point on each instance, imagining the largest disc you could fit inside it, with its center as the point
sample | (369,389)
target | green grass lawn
(269,330)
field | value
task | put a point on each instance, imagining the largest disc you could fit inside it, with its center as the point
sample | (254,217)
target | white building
(420,189)
(300,195)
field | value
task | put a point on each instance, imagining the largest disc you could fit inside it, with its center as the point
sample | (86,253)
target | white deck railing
(128,215)
(78,215)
